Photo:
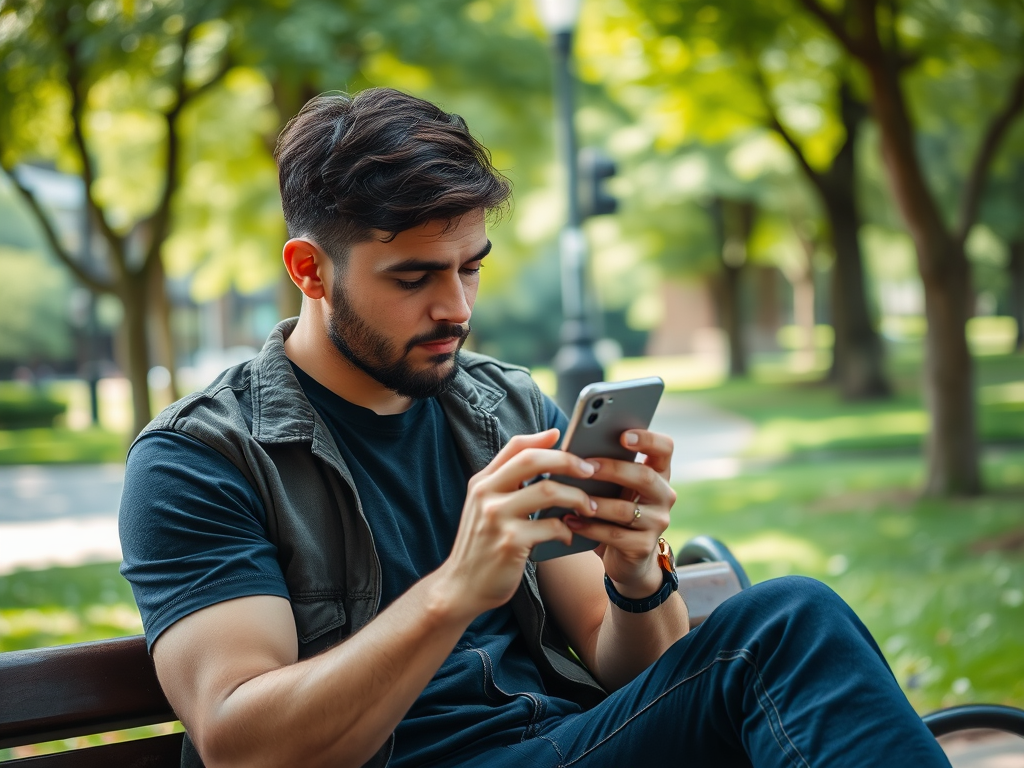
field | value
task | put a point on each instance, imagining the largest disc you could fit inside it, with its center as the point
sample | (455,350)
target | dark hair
(379,160)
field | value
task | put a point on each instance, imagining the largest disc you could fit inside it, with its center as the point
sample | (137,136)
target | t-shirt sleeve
(192,531)
(554,417)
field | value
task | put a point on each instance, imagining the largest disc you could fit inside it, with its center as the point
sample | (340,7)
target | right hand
(496,533)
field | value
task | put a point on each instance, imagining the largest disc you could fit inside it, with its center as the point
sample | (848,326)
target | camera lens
(597,403)
(591,418)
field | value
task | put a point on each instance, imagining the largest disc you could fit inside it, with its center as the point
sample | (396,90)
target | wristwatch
(669,584)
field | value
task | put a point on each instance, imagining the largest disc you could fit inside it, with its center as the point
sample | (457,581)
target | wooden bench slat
(155,752)
(75,690)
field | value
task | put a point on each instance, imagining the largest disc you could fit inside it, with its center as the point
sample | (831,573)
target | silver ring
(636,513)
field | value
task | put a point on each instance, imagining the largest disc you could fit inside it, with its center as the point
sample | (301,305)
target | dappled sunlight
(780,551)
(780,437)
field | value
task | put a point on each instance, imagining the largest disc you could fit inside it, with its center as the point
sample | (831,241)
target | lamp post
(575,364)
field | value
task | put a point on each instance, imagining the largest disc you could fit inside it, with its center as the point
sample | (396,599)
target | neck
(310,348)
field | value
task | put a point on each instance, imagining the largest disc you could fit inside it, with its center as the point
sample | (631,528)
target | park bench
(48,694)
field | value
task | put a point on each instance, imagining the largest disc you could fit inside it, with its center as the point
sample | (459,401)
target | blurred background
(806,216)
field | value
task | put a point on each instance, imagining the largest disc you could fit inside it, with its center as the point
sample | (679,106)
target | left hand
(628,544)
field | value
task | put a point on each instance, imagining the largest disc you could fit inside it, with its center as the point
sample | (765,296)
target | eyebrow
(423,265)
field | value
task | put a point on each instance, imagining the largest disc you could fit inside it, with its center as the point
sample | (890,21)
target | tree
(874,34)
(751,64)
(57,58)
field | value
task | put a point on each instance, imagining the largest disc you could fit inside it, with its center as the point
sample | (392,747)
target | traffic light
(595,167)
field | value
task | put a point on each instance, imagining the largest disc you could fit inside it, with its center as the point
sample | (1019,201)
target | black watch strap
(669,584)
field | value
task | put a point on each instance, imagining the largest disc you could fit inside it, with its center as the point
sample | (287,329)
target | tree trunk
(134,298)
(803,309)
(160,314)
(858,364)
(731,317)
(1016,270)
(859,353)
(952,447)
(733,222)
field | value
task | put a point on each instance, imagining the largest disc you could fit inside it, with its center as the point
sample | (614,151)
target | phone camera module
(597,403)
(592,418)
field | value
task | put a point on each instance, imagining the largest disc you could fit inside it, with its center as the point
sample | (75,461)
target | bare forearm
(628,643)
(337,708)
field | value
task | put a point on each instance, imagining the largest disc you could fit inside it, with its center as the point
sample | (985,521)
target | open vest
(257,417)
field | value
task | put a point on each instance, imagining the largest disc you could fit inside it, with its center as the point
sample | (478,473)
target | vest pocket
(315,616)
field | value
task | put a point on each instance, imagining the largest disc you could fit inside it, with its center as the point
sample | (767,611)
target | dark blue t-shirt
(193,534)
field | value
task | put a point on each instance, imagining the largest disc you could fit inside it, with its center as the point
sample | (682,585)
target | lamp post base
(575,364)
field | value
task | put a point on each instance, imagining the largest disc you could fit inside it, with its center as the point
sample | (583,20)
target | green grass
(939,583)
(798,417)
(65,605)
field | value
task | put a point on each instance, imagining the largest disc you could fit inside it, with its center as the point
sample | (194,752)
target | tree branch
(776,125)
(159,220)
(91,282)
(997,129)
(835,26)
(73,77)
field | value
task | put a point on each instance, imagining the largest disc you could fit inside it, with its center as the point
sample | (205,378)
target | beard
(382,359)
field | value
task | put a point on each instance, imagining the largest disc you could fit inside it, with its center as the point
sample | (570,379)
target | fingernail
(593,505)
(632,438)
(589,467)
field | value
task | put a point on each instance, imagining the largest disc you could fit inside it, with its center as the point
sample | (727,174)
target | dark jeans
(783,674)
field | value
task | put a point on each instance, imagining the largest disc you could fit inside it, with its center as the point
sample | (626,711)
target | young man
(329,545)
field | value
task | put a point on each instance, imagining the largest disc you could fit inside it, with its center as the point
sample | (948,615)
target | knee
(795,600)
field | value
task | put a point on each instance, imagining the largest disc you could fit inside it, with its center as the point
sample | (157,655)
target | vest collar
(282,414)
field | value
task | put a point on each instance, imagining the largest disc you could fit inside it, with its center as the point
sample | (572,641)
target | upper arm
(193,532)
(572,588)
(205,656)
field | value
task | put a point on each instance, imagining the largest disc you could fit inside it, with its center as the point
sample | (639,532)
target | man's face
(401,309)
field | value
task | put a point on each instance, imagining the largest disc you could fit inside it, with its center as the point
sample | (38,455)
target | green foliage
(61,446)
(34,320)
(24,408)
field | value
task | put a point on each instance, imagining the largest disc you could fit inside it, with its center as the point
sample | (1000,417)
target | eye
(412,285)
(468,270)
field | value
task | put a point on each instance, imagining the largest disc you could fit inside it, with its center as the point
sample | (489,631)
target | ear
(305,262)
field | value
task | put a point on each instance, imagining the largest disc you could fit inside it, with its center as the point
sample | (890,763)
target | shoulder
(225,397)
(490,370)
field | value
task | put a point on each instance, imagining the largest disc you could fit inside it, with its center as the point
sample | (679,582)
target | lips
(441,347)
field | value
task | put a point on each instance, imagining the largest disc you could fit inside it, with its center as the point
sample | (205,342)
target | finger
(517,445)
(549,529)
(639,480)
(547,494)
(531,462)
(658,449)
(624,513)
(632,543)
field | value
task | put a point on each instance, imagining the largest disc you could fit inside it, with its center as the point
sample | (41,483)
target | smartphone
(603,412)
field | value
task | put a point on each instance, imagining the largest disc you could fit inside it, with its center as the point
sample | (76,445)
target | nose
(453,302)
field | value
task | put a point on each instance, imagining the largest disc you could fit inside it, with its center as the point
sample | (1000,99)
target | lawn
(797,417)
(939,583)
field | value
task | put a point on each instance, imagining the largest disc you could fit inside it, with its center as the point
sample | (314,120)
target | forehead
(457,239)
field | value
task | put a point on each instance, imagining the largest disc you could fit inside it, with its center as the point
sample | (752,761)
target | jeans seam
(719,657)
(488,665)
(762,691)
